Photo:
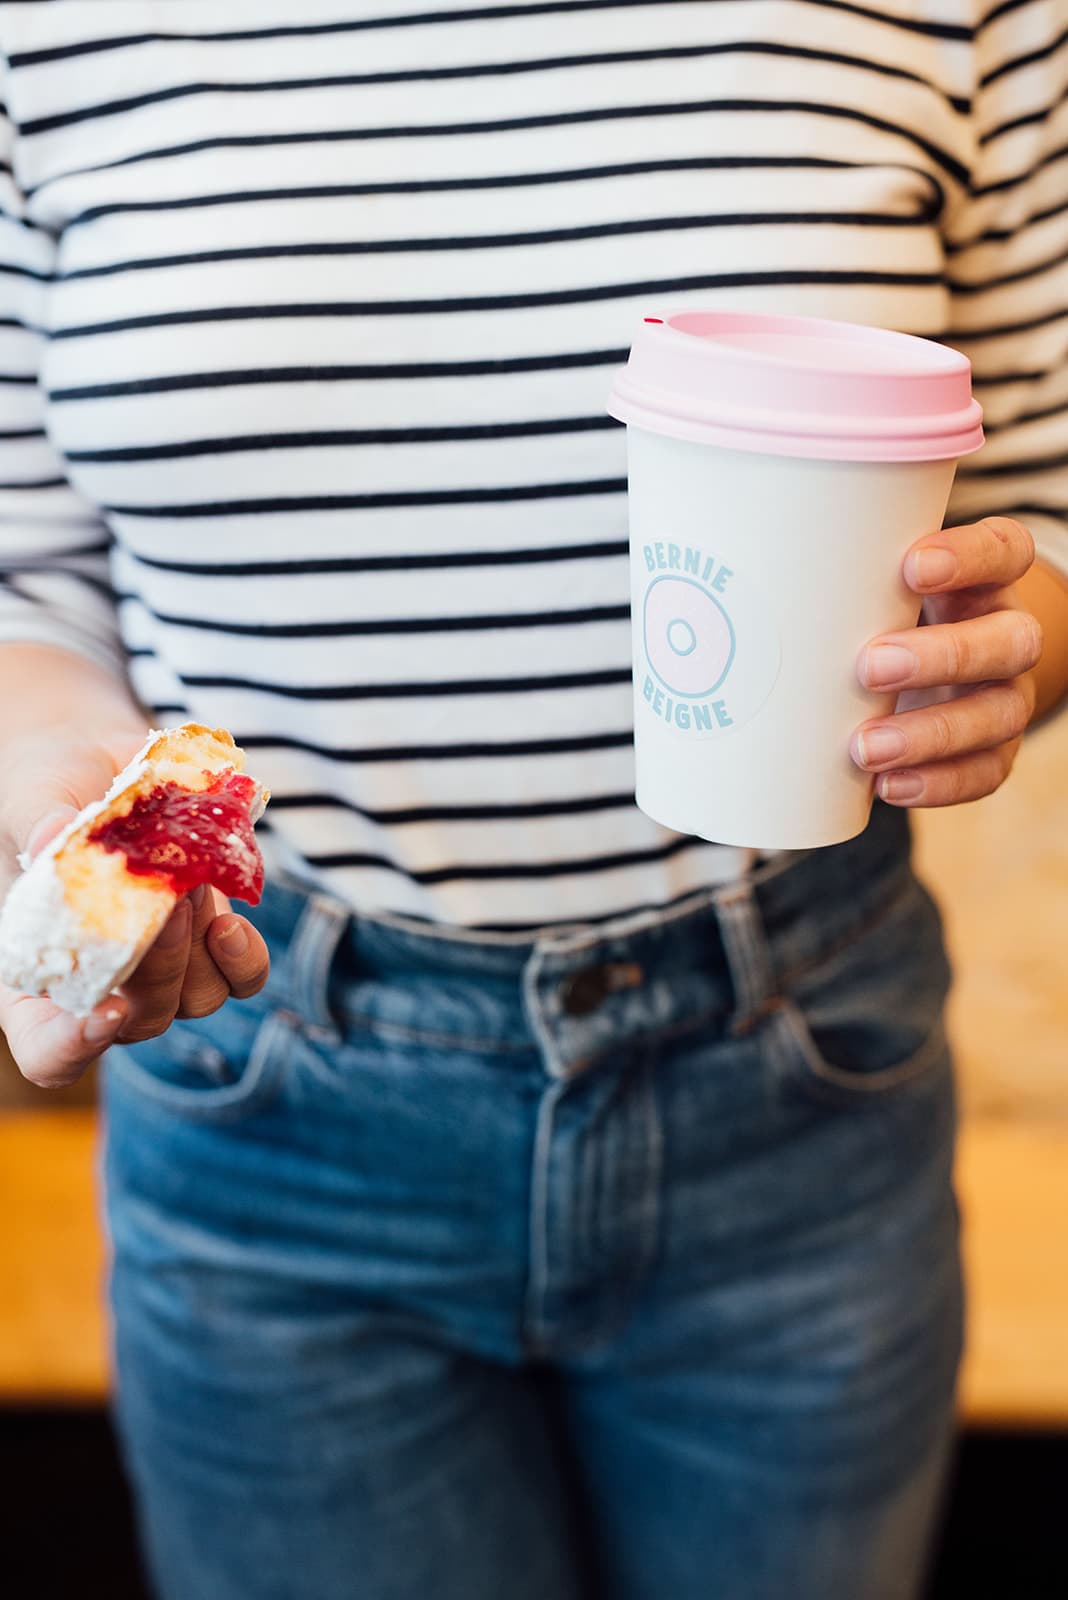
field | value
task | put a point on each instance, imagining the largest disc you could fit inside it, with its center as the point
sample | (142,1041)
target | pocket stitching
(261,1079)
(822,1074)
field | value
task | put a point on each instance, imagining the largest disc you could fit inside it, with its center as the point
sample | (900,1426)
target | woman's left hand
(966,694)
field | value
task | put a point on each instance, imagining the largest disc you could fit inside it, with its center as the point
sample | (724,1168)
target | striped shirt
(310,312)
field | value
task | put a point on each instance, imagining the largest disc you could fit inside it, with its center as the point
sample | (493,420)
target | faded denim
(616,1264)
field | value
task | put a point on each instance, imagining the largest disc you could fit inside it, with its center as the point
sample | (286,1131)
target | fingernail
(176,929)
(234,937)
(933,568)
(196,898)
(888,664)
(901,786)
(101,1026)
(877,745)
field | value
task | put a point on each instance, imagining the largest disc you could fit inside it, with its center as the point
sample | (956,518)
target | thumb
(44,784)
(45,829)
(26,838)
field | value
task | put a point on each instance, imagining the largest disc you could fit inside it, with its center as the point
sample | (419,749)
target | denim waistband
(751,934)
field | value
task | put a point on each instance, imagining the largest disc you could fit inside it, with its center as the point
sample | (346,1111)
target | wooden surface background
(1000,870)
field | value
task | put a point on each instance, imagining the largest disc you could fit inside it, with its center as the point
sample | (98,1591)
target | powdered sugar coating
(46,947)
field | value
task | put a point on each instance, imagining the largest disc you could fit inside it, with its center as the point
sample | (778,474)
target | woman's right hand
(203,955)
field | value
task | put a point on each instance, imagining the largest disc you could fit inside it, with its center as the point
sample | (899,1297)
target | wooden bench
(1012,1179)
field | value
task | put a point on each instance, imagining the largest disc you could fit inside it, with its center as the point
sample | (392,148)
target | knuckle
(944,786)
(1029,640)
(204,1003)
(242,989)
(941,735)
(1012,532)
(993,771)
(149,991)
(1017,543)
(147,1028)
(1007,758)
(1015,712)
(1016,642)
(160,972)
(957,654)
(957,787)
(989,776)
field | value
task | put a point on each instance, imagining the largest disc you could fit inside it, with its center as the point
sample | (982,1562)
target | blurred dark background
(69,1533)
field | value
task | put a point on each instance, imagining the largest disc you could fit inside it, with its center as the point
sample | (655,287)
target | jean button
(584,991)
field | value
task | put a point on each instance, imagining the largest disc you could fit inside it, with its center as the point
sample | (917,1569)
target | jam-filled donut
(688,638)
(88,907)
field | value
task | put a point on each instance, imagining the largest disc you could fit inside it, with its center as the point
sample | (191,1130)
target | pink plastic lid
(798,386)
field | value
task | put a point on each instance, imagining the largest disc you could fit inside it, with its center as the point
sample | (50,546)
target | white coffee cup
(779,470)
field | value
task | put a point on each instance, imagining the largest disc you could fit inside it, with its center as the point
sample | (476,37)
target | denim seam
(535,1330)
(745,947)
(262,1079)
(612,1322)
(861,1085)
(551,1058)
(540,1339)
(310,956)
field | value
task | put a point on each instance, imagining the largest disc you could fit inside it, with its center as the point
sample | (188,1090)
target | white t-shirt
(310,315)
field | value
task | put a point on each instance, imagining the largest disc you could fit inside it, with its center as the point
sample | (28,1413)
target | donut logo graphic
(707,647)
(689,639)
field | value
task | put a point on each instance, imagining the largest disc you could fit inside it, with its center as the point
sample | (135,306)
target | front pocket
(828,1080)
(223,1075)
(869,1020)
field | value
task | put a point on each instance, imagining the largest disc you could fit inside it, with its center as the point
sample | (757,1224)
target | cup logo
(709,649)
(689,640)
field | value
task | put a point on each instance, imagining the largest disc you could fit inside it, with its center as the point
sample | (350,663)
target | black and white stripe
(307,321)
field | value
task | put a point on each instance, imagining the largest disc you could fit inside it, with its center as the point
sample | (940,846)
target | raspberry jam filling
(189,839)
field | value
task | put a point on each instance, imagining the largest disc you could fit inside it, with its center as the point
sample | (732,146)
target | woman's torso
(338,297)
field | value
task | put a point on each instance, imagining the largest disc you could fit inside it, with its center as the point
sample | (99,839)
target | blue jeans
(618,1263)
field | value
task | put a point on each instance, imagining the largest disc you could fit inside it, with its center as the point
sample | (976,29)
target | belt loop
(309,958)
(746,948)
